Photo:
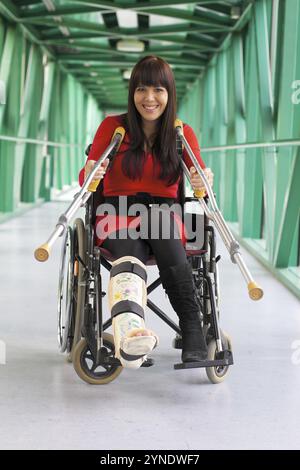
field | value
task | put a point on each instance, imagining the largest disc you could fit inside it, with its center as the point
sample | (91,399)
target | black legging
(167,252)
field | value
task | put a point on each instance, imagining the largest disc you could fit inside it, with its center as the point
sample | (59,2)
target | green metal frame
(234,82)
(43,103)
(247,97)
(66,30)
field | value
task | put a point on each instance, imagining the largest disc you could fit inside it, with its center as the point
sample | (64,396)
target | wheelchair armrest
(193,198)
(87,150)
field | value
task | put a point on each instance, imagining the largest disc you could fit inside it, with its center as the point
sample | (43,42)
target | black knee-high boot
(179,285)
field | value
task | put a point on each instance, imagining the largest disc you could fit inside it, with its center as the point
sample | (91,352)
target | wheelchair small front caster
(87,368)
(148,363)
(217,374)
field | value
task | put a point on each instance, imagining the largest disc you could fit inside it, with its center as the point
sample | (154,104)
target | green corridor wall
(42,103)
(251,93)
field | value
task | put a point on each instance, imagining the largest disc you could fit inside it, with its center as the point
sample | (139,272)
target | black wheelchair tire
(80,365)
(217,375)
(79,285)
(65,289)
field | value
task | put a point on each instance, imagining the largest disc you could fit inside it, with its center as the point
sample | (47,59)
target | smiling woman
(150,102)
(147,170)
(152,85)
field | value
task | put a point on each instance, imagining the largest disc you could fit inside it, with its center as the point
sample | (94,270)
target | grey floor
(44,404)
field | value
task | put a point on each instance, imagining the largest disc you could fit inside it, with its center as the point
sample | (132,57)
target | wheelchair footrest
(148,363)
(224,358)
(105,360)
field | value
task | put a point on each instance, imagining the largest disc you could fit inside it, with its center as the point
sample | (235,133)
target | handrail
(26,140)
(278,143)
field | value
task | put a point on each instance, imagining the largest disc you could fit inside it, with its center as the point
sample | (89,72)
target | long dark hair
(152,71)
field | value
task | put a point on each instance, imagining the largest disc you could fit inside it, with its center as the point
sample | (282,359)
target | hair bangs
(152,74)
(152,71)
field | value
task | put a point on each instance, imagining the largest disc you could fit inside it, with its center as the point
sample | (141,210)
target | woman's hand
(99,173)
(196,180)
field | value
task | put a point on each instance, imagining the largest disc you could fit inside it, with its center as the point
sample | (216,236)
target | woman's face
(150,101)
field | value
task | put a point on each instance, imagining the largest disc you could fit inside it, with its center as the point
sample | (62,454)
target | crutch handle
(93,186)
(42,253)
(121,131)
(255,292)
(200,193)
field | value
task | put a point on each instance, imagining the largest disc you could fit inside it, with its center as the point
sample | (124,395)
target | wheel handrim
(65,290)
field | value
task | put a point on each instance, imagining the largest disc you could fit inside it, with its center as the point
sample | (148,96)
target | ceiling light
(127,74)
(45,60)
(130,45)
(64,30)
(235,13)
(49,5)
(2,92)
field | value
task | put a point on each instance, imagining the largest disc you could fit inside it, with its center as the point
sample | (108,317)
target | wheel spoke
(85,363)
(88,355)
(94,367)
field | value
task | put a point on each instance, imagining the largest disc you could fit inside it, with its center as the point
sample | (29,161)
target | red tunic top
(116,183)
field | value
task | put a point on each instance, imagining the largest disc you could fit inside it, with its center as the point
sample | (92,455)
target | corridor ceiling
(83,37)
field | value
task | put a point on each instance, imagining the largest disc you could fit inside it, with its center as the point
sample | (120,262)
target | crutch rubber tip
(42,253)
(255,292)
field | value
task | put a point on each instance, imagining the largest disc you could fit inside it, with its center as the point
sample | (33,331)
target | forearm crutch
(42,253)
(214,214)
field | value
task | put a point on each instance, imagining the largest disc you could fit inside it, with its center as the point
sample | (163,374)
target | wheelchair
(82,331)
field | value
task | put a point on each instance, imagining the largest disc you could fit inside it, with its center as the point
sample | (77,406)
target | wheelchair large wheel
(79,286)
(217,374)
(65,304)
(86,368)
